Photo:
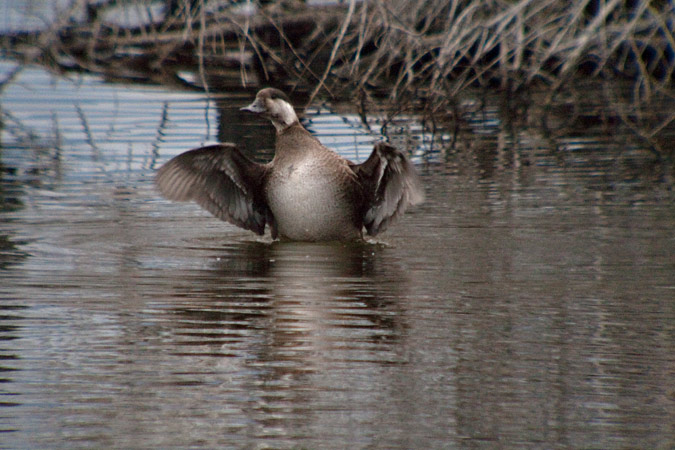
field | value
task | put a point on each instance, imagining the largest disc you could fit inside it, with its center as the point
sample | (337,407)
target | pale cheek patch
(282,113)
(286,113)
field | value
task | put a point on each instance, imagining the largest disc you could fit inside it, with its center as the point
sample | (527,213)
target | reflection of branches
(16,128)
(164,121)
(87,132)
(45,154)
(97,155)
(653,126)
(10,76)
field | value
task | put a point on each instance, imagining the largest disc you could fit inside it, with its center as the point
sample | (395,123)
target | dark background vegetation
(392,56)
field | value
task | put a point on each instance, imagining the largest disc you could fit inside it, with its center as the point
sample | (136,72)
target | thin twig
(338,41)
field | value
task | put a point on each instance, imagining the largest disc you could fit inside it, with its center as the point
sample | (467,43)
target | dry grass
(417,54)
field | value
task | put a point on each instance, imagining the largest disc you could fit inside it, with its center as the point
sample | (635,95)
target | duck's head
(274,105)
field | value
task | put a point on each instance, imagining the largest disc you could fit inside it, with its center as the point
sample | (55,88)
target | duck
(307,192)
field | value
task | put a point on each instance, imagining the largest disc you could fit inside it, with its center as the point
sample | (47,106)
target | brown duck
(306,193)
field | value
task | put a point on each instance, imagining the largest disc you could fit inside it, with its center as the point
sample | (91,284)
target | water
(527,304)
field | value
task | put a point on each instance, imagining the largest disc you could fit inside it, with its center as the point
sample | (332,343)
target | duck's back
(311,191)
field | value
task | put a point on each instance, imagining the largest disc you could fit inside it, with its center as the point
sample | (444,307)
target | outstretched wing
(222,181)
(391,184)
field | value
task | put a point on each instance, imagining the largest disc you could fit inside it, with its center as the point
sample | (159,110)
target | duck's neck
(282,126)
(283,117)
(295,142)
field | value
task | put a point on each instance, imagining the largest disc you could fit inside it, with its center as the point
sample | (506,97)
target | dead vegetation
(417,55)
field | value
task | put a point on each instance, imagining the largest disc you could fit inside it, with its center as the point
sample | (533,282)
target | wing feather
(222,181)
(391,185)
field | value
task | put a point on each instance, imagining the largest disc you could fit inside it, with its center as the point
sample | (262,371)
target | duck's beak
(255,107)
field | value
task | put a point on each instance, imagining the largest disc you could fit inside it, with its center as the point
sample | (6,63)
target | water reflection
(10,318)
(256,336)
(528,303)
(292,294)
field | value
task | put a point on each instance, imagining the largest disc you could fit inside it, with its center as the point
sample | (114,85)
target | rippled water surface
(527,304)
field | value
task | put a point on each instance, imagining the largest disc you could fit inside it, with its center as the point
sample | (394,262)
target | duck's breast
(313,199)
